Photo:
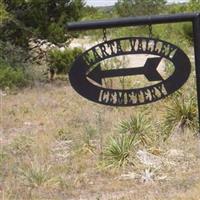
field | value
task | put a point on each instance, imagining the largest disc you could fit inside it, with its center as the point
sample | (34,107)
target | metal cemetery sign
(86,74)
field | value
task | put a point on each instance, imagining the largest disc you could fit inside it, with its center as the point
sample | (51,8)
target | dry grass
(52,142)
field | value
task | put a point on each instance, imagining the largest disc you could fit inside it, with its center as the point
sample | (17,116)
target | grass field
(53,145)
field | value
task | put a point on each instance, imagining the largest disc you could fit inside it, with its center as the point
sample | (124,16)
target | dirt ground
(45,153)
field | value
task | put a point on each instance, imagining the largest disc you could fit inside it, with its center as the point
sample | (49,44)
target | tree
(44,19)
(139,7)
(193,6)
(3,13)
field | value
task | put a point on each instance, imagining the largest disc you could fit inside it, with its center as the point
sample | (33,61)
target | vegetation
(3,13)
(57,145)
(12,66)
(126,8)
(22,20)
(11,78)
(46,130)
(61,61)
(42,19)
(119,149)
(181,113)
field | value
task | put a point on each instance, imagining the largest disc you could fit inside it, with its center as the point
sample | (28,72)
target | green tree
(3,13)
(193,6)
(44,19)
(139,7)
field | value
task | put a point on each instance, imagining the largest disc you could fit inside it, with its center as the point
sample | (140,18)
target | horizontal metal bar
(131,21)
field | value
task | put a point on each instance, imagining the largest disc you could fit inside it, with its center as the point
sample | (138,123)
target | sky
(112,2)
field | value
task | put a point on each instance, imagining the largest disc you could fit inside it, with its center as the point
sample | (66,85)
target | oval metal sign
(86,74)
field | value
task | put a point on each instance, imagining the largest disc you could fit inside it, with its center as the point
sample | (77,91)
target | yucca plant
(137,126)
(119,148)
(181,113)
(36,175)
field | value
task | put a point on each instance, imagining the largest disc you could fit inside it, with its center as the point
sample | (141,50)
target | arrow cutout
(149,71)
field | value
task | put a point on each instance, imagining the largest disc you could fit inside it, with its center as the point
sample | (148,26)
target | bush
(138,126)
(3,13)
(13,55)
(118,150)
(12,66)
(61,60)
(10,77)
(188,32)
(181,113)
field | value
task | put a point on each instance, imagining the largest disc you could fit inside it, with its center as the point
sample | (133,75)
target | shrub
(56,33)
(133,132)
(35,175)
(12,66)
(10,77)
(14,56)
(181,113)
(3,13)
(61,60)
(119,148)
(137,126)
(188,32)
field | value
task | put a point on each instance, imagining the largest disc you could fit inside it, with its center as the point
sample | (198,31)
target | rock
(128,176)
(38,50)
(43,47)
(2,93)
(27,123)
(62,49)
(148,159)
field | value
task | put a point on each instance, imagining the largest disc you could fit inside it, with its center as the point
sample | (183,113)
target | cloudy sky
(111,2)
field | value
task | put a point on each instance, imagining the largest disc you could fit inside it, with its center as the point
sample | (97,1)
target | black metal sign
(86,74)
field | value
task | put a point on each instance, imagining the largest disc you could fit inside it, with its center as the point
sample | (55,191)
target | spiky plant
(119,148)
(137,126)
(36,175)
(181,113)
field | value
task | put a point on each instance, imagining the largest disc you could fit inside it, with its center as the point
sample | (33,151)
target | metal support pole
(196,35)
(131,21)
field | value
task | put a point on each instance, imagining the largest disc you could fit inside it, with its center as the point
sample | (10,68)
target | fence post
(196,36)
